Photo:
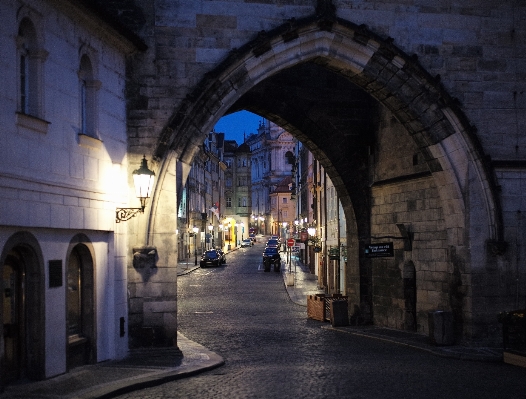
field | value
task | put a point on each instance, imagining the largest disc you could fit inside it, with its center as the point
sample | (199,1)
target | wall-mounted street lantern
(143,179)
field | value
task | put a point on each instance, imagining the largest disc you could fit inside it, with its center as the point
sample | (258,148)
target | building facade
(198,223)
(238,186)
(63,174)
(271,148)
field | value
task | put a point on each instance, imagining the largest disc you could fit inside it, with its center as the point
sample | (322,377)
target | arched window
(87,97)
(28,69)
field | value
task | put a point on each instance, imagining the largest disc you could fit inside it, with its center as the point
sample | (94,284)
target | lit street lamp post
(195,230)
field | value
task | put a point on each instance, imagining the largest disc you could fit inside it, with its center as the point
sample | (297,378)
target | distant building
(270,165)
(282,209)
(238,187)
(202,200)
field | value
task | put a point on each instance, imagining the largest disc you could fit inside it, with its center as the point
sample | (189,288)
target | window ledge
(89,141)
(32,123)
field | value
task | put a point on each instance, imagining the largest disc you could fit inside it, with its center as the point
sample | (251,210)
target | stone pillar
(153,272)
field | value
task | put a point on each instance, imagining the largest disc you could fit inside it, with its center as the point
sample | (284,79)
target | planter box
(316,307)
(319,307)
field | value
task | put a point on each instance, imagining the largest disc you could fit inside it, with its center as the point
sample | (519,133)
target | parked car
(210,258)
(272,253)
(271,257)
(272,243)
(222,255)
(246,243)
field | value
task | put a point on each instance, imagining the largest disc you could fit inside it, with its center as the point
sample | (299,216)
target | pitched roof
(283,185)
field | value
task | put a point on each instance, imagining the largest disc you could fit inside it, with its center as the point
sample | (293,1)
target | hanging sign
(334,253)
(381,250)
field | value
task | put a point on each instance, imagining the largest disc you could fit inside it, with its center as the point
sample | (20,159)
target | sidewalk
(306,284)
(153,366)
(142,368)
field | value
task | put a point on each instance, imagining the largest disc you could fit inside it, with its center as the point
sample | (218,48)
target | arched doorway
(13,278)
(80,307)
(22,344)
(399,98)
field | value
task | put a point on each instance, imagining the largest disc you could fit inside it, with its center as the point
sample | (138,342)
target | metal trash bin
(441,331)
(339,313)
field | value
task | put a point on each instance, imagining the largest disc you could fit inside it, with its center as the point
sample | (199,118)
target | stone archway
(397,81)
(419,103)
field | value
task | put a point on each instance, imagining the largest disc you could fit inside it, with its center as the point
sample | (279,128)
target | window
(29,58)
(228,182)
(244,201)
(239,201)
(88,88)
(229,202)
(284,200)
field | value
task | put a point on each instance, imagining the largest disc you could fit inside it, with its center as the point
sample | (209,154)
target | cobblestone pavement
(271,349)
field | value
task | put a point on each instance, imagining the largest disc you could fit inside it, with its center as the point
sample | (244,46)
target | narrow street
(271,349)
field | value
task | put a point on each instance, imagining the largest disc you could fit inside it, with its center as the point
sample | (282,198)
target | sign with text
(381,250)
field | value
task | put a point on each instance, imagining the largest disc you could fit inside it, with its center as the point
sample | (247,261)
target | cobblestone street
(271,349)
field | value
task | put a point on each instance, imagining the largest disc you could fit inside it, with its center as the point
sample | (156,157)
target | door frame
(28,250)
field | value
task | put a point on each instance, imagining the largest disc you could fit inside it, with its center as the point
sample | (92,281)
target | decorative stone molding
(144,257)
(497,248)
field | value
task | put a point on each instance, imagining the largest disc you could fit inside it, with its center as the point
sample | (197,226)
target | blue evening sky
(238,123)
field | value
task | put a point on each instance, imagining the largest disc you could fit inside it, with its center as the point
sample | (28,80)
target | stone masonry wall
(475,50)
(414,201)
